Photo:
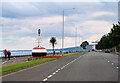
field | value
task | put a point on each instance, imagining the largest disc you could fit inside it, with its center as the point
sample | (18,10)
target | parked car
(98,50)
(107,51)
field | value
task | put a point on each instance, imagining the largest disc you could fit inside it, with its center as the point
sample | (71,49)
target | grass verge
(71,54)
(10,68)
(118,53)
(23,65)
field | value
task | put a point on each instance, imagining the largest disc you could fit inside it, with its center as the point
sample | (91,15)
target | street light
(63,29)
(75,38)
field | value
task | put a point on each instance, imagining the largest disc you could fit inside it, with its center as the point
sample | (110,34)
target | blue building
(90,47)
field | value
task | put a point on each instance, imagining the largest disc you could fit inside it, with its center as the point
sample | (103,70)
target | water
(17,52)
(29,52)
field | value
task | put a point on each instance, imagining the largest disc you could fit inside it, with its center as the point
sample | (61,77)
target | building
(91,47)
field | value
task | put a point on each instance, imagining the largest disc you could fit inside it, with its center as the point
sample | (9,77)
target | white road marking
(4,62)
(45,79)
(108,61)
(117,67)
(63,67)
(112,63)
(57,71)
(54,73)
(49,76)
(60,69)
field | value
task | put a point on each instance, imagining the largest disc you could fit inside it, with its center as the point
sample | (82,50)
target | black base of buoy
(39,54)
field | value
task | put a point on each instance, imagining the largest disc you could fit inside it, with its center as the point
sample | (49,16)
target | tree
(53,41)
(112,39)
(84,44)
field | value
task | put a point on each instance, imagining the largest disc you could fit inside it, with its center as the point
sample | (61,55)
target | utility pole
(63,34)
(79,41)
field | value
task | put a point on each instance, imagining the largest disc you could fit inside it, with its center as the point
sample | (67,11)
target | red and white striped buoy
(39,51)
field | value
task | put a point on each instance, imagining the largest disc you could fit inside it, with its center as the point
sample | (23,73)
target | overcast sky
(21,20)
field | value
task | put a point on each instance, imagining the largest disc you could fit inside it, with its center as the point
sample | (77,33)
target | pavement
(14,60)
(92,66)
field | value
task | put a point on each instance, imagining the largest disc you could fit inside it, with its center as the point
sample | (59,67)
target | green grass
(29,63)
(71,54)
(118,53)
(24,64)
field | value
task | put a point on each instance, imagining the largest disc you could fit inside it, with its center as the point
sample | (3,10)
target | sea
(29,52)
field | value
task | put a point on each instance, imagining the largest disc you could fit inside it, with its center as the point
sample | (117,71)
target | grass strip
(23,65)
(118,53)
(30,63)
(71,54)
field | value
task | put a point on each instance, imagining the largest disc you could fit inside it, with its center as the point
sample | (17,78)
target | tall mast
(38,37)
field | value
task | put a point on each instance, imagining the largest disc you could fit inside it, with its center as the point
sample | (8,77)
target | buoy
(39,51)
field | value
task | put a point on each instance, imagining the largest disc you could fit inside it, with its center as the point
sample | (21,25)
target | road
(92,66)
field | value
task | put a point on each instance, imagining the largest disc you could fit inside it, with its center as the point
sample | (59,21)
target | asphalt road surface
(92,66)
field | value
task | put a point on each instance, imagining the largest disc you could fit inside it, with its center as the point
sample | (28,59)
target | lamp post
(79,42)
(75,38)
(63,29)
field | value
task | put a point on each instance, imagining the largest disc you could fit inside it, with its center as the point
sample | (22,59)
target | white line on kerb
(60,69)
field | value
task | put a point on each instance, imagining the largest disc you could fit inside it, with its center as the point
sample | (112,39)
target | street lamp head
(69,9)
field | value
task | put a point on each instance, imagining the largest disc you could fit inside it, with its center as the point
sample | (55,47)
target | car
(107,51)
(98,50)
